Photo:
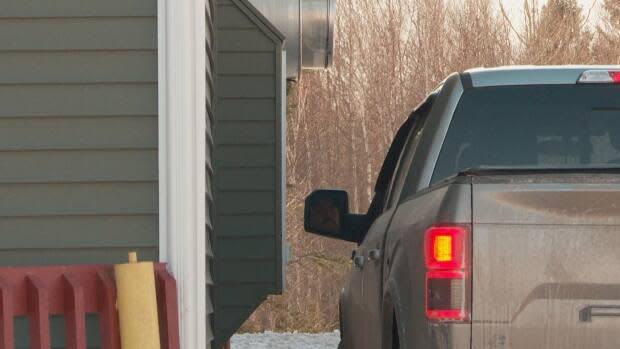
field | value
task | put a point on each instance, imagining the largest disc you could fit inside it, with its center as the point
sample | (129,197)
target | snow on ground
(270,340)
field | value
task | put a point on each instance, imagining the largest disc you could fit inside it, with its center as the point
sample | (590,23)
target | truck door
(352,307)
(390,182)
(371,282)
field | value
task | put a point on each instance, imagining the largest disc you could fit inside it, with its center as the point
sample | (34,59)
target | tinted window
(387,171)
(576,126)
(421,114)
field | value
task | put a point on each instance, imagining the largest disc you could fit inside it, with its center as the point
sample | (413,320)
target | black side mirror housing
(326,213)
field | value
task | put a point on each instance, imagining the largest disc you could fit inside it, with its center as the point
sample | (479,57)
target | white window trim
(182,147)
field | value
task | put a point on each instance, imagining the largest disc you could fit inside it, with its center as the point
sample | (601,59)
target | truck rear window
(547,126)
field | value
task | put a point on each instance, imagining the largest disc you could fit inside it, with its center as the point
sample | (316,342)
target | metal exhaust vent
(308,26)
(317,34)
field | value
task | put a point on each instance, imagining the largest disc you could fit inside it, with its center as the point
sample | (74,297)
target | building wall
(249,165)
(78,135)
(79,143)
(78,131)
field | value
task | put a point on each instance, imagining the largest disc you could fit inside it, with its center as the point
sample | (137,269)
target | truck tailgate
(546,262)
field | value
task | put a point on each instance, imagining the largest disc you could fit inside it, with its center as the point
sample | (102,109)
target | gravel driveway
(270,340)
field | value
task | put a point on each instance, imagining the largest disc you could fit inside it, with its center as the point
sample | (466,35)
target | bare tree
(607,46)
(558,35)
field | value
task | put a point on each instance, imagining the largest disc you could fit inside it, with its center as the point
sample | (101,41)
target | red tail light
(615,76)
(446,278)
(445,247)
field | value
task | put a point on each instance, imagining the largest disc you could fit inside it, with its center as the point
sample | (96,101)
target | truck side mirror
(326,212)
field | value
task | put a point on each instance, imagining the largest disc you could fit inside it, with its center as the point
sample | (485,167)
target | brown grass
(390,54)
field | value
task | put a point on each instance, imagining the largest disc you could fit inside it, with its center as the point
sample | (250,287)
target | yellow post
(137,304)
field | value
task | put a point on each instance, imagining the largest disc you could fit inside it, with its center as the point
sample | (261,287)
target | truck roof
(531,75)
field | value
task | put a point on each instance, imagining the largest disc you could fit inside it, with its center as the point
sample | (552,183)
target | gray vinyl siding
(247,242)
(78,131)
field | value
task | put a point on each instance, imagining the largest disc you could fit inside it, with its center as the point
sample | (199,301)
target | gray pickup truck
(495,221)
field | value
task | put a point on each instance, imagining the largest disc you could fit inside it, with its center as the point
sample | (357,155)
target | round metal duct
(317,34)
(308,26)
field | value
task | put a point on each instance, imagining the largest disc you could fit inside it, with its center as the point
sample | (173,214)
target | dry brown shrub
(607,45)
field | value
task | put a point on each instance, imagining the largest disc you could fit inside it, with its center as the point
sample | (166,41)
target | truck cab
(495,220)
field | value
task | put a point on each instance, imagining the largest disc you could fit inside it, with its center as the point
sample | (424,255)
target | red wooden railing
(73,292)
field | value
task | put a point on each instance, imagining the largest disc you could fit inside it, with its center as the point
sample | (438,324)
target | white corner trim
(182,158)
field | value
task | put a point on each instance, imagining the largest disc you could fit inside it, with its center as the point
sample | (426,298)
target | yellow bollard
(137,304)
